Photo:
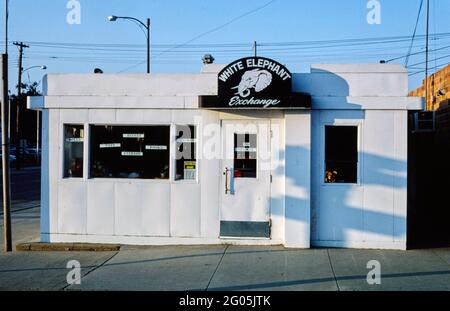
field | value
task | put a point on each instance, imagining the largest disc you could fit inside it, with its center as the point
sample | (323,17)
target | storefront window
(186,160)
(73,150)
(130,151)
(341,154)
(245,155)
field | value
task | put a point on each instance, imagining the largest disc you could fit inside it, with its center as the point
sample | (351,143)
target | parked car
(12,159)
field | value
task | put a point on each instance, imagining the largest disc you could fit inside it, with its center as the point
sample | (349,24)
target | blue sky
(43,23)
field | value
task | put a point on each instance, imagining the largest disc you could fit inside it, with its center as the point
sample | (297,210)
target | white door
(245,203)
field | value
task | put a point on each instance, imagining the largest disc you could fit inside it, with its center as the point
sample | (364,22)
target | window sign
(74,139)
(189,170)
(132,154)
(127,135)
(155,147)
(73,150)
(110,145)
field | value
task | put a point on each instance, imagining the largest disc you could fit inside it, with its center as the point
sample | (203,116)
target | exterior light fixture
(208,59)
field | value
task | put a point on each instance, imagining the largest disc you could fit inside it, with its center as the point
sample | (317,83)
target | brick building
(438,88)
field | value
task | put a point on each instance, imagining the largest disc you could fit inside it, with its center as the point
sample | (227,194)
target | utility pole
(4,110)
(255,47)
(5,155)
(21,46)
(426,56)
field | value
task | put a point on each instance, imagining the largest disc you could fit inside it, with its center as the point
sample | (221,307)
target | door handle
(227,170)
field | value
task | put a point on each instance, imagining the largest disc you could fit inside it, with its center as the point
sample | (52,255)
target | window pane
(130,151)
(341,154)
(73,150)
(186,161)
(245,155)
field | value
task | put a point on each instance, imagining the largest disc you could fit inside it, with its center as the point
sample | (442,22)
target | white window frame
(359,126)
(173,154)
(62,155)
(133,180)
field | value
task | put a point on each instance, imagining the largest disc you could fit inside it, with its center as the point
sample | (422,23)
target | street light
(42,67)
(113,18)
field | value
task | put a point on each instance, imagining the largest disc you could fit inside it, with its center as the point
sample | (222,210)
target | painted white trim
(367,103)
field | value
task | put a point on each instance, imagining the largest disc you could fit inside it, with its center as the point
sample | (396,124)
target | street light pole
(113,18)
(148,45)
(37,115)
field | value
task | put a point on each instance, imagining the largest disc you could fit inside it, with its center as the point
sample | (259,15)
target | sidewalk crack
(440,257)
(93,269)
(217,268)
(332,270)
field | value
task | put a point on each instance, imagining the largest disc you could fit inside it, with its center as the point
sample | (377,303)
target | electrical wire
(447,56)
(434,68)
(207,32)
(414,34)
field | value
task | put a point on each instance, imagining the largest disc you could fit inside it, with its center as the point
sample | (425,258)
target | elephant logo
(257,79)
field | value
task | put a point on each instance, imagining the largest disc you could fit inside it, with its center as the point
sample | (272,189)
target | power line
(446,56)
(209,31)
(414,34)
(241,45)
(421,52)
(438,66)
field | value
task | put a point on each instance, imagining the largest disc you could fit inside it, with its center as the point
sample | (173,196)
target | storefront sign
(255,83)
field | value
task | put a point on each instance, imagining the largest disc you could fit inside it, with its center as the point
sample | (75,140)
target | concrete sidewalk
(226,268)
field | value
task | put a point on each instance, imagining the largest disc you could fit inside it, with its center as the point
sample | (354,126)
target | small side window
(186,159)
(341,154)
(73,150)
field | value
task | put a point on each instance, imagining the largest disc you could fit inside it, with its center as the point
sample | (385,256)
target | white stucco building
(167,159)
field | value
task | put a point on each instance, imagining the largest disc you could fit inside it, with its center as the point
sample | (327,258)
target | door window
(245,155)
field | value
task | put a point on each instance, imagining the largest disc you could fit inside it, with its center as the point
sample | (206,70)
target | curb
(66,247)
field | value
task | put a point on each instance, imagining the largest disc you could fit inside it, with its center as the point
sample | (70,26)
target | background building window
(245,155)
(73,150)
(341,154)
(186,160)
(130,151)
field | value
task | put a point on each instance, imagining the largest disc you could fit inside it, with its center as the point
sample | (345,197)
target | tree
(27,118)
